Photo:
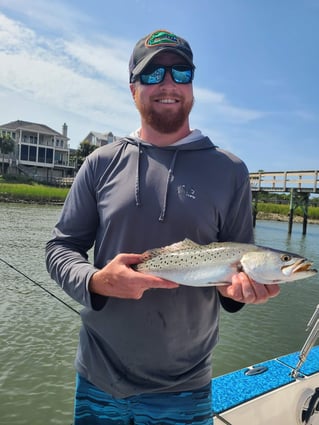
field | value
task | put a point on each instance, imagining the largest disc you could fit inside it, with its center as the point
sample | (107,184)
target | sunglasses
(181,74)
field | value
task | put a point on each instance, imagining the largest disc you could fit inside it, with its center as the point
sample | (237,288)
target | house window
(41,157)
(28,153)
(24,153)
(49,157)
(33,153)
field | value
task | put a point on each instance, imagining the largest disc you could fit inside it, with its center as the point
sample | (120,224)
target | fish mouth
(303,266)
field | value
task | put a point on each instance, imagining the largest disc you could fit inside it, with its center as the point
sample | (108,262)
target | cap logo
(162,38)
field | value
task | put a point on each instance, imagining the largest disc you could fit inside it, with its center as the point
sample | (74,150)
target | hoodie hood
(196,136)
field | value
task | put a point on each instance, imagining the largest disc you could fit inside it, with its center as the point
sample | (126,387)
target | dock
(300,185)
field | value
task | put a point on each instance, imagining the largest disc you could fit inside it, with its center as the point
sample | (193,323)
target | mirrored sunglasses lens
(182,75)
(154,77)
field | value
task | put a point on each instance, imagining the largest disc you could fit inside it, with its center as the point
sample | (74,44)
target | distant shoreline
(282,217)
(5,200)
(260,215)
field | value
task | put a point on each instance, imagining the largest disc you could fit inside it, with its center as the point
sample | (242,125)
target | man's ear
(133,90)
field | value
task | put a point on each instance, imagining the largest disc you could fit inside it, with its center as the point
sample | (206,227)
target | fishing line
(39,285)
(74,310)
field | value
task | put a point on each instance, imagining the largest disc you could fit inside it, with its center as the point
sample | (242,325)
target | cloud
(12,34)
(220,107)
(90,80)
(54,16)
(108,59)
(87,78)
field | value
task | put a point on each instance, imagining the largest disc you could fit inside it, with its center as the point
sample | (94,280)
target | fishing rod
(39,285)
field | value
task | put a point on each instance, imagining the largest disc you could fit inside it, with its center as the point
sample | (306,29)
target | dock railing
(285,181)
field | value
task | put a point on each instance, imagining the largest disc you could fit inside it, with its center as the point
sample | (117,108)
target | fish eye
(286,257)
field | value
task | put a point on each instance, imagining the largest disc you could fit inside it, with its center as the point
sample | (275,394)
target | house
(40,152)
(100,139)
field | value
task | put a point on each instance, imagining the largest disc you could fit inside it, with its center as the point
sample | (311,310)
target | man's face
(164,106)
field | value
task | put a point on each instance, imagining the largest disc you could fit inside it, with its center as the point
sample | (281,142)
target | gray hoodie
(130,197)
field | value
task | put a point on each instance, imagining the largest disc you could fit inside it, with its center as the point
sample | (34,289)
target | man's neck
(148,134)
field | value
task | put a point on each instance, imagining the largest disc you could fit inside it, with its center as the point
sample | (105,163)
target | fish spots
(192,264)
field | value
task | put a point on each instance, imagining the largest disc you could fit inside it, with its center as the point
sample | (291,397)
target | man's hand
(118,279)
(245,290)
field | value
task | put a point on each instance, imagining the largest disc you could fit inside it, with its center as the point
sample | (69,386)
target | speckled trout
(188,263)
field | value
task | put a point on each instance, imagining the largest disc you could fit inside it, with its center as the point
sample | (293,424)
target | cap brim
(140,66)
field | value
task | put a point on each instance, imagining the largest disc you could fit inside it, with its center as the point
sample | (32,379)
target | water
(38,335)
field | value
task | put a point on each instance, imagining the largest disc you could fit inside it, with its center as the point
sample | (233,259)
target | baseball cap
(152,44)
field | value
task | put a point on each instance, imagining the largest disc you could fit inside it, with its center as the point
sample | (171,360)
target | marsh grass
(313,212)
(32,192)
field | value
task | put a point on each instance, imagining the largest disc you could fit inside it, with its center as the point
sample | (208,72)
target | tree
(6,147)
(83,151)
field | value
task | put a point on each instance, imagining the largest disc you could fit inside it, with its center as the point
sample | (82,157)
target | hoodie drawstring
(137,182)
(137,178)
(169,176)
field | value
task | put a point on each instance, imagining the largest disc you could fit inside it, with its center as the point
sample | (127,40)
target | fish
(192,264)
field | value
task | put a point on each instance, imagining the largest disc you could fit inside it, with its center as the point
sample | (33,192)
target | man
(144,355)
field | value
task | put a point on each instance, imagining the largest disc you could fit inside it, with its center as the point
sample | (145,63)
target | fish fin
(186,243)
(177,246)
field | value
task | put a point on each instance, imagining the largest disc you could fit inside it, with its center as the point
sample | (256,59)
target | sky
(256,82)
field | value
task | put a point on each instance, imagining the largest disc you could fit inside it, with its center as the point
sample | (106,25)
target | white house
(100,139)
(40,152)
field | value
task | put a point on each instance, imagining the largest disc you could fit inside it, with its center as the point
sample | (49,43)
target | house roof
(30,126)
(99,135)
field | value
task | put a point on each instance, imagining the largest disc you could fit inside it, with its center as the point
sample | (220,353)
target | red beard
(168,121)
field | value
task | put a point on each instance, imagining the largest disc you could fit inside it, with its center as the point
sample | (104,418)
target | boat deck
(236,388)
